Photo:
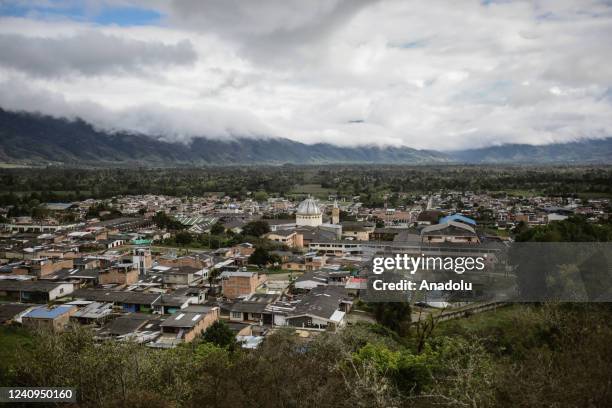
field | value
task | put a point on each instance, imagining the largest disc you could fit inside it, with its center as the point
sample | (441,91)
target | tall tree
(217,229)
(259,257)
(183,238)
(256,228)
(394,315)
(220,334)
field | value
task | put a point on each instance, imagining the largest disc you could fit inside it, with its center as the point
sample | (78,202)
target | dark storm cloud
(266,28)
(264,17)
(89,53)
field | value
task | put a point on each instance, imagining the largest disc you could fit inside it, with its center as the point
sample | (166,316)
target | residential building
(314,279)
(449,232)
(13,312)
(179,275)
(34,291)
(136,327)
(321,309)
(92,312)
(127,301)
(183,327)
(141,258)
(289,238)
(54,318)
(119,273)
(236,284)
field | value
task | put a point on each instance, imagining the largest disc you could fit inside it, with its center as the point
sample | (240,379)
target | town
(288,204)
(160,270)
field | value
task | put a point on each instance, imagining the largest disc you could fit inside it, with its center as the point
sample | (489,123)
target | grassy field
(13,340)
(594,195)
(14,166)
(487,322)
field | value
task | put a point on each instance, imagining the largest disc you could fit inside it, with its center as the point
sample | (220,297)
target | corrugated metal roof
(45,312)
(183,319)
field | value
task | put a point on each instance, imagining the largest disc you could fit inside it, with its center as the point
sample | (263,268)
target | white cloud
(89,53)
(423,74)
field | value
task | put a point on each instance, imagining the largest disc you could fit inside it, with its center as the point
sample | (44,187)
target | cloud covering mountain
(430,75)
(42,140)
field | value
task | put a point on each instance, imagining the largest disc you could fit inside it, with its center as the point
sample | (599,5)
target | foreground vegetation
(525,355)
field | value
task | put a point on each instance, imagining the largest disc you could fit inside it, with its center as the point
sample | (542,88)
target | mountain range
(35,139)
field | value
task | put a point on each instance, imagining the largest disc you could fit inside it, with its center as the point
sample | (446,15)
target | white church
(308,214)
(308,225)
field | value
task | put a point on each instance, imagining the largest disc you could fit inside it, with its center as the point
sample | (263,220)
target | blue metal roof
(45,313)
(457,217)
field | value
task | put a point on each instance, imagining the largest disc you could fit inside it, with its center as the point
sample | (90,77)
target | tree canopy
(220,334)
(256,228)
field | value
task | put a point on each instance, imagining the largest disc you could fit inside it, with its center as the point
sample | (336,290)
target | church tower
(335,213)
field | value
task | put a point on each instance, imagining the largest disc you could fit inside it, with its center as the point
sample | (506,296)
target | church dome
(308,207)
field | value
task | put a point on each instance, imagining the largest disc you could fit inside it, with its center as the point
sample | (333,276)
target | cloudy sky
(440,74)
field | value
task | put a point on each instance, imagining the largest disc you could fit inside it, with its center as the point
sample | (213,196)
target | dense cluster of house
(107,274)
(104,274)
(163,300)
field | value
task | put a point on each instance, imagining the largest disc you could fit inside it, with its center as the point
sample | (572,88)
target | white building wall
(309,220)
(279,320)
(62,290)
